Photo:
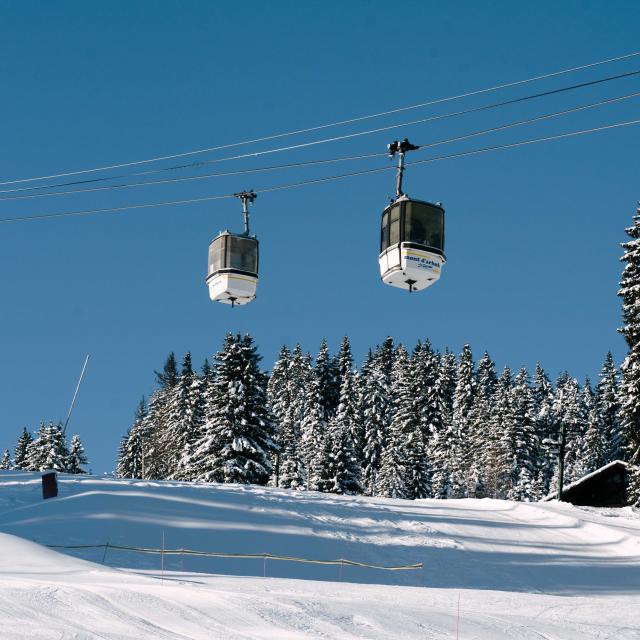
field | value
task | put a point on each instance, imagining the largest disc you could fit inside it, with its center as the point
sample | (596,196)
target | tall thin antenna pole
(563,442)
(75,395)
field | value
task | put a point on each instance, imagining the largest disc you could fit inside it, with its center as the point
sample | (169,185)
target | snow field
(521,570)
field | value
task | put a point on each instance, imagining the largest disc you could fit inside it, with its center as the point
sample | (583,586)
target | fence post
(104,555)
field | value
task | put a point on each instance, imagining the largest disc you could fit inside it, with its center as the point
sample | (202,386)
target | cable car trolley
(233,262)
(412,235)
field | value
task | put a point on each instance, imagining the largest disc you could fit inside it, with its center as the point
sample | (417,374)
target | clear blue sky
(532,234)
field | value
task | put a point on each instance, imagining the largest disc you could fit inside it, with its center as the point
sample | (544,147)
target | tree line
(406,424)
(47,450)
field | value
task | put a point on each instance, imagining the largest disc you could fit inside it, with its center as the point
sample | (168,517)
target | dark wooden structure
(49,485)
(605,487)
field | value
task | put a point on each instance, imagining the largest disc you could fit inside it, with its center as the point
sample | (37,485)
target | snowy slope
(521,570)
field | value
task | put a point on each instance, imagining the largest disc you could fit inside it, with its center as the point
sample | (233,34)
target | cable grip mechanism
(400,148)
(247,197)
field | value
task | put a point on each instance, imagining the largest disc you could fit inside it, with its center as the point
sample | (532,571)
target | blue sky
(532,234)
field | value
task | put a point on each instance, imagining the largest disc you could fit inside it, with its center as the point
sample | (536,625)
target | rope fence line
(251,556)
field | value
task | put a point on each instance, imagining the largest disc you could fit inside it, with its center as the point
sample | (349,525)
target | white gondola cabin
(232,276)
(411,235)
(411,244)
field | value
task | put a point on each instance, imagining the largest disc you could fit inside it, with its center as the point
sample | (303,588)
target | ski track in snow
(522,571)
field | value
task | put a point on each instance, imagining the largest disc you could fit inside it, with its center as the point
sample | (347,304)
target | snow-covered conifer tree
(498,466)
(20,452)
(77,456)
(390,480)
(327,372)
(462,403)
(183,419)
(313,428)
(607,404)
(5,462)
(292,466)
(49,449)
(375,414)
(131,453)
(237,439)
(340,468)
(545,426)
(278,394)
(630,386)
(479,426)
(520,444)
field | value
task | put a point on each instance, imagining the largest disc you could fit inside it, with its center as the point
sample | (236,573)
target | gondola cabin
(411,244)
(233,268)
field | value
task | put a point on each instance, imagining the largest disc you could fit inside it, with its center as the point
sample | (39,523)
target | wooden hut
(604,487)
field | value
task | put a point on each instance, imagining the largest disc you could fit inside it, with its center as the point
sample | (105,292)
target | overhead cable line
(444,116)
(320,180)
(400,125)
(333,124)
(295,165)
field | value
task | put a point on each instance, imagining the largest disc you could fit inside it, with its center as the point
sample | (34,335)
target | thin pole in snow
(264,565)
(75,395)
(162,560)
(104,555)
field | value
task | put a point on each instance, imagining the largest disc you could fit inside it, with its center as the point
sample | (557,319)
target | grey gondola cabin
(233,268)
(232,276)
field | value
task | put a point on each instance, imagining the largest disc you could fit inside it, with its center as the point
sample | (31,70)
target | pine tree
(340,468)
(77,457)
(587,405)
(390,481)
(445,446)
(630,386)
(279,398)
(573,418)
(607,401)
(293,471)
(479,421)
(520,443)
(545,427)
(463,400)
(168,377)
(5,463)
(20,452)
(48,450)
(375,414)
(131,453)
(313,428)
(327,372)
(184,418)
(152,437)
(449,372)
(409,414)
(568,417)
(592,455)
(237,440)
(498,465)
